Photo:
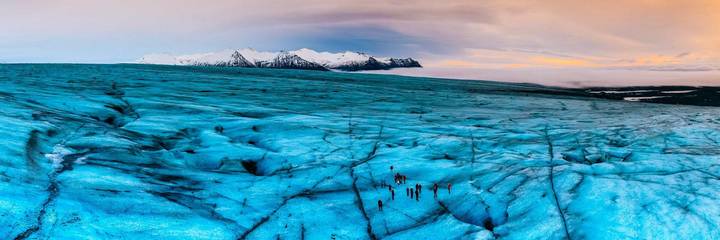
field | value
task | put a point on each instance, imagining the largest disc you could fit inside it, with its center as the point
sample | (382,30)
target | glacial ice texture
(153,152)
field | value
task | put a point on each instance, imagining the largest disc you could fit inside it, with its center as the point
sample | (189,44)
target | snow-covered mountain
(298,59)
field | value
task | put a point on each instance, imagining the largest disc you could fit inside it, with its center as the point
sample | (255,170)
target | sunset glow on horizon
(633,40)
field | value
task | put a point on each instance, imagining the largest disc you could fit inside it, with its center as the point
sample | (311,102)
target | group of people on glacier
(411,192)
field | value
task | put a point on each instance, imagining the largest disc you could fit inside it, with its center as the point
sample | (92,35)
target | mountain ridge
(303,58)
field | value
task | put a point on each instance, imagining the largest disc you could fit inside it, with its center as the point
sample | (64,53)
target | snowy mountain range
(307,59)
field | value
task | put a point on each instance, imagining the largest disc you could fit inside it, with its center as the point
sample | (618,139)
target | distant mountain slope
(299,59)
(680,95)
(685,95)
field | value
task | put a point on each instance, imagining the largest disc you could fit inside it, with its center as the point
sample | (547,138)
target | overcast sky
(559,42)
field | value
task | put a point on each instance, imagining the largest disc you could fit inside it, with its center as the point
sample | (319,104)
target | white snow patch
(255,56)
(331,59)
(211,58)
(80,160)
(159,58)
(637,99)
(57,155)
(678,92)
(620,92)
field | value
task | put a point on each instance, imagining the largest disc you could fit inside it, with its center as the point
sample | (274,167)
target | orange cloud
(458,64)
(517,65)
(563,62)
(655,60)
(523,58)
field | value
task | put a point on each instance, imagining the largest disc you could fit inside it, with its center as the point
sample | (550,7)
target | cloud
(646,35)
(562,62)
(525,59)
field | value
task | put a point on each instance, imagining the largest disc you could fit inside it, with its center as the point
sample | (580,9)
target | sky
(555,42)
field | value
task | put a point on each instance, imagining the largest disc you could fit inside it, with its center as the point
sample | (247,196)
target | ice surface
(160,152)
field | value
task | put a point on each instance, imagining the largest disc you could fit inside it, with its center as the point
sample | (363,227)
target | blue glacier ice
(161,152)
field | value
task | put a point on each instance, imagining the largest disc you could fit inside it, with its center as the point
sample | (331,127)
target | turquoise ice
(159,152)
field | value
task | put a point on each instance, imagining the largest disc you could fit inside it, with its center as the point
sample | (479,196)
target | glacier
(175,152)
